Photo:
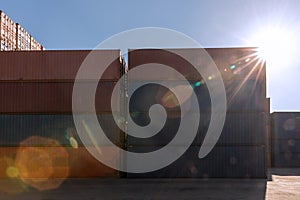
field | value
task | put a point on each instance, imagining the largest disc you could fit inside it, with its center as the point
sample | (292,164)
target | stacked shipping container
(8,32)
(36,100)
(240,151)
(285,139)
(15,37)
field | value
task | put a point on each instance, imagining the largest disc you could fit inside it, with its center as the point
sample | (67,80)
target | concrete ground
(282,184)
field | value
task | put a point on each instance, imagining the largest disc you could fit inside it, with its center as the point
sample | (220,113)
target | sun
(275,46)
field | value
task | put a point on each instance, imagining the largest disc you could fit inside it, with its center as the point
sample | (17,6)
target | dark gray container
(248,96)
(231,62)
(285,135)
(16,128)
(239,129)
(286,145)
(243,76)
(286,159)
(285,125)
(221,162)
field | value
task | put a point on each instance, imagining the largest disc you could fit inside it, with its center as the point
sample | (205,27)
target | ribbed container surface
(233,63)
(221,162)
(16,128)
(285,125)
(79,163)
(286,145)
(285,139)
(57,65)
(239,129)
(286,159)
(49,97)
(249,96)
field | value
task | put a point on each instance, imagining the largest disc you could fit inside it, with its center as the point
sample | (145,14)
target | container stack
(241,149)
(15,37)
(285,139)
(8,32)
(36,110)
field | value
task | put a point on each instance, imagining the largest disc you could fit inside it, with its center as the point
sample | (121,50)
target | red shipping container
(232,63)
(48,97)
(55,65)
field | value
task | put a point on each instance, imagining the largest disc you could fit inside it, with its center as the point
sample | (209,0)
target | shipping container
(16,128)
(286,159)
(79,162)
(34,45)
(248,97)
(239,129)
(221,162)
(285,125)
(285,139)
(50,97)
(15,37)
(286,145)
(57,65)
(8,33)
(23,38)
(269,137)
(233,63)
(244,80)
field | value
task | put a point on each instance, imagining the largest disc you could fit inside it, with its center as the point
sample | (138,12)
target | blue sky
(82,24)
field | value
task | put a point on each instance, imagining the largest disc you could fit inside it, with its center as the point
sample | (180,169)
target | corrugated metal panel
(286,145)
(287,159)
(54,65)
(285,139)
(51,97)
(239,63)
(7,33)
(250,96)
(269,136)
(81,163)
(16,128)
(84,165)
(285,125)
(239,129)
(221,162)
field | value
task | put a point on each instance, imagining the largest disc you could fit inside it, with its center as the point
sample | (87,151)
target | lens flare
(276,46)
(42,163)
(73,142)
(12,172)
(10,183)
(197,84)
(183,93)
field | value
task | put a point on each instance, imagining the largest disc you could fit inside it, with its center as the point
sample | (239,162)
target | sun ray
(246,78)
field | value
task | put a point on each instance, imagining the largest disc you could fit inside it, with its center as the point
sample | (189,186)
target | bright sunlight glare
(275,46)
